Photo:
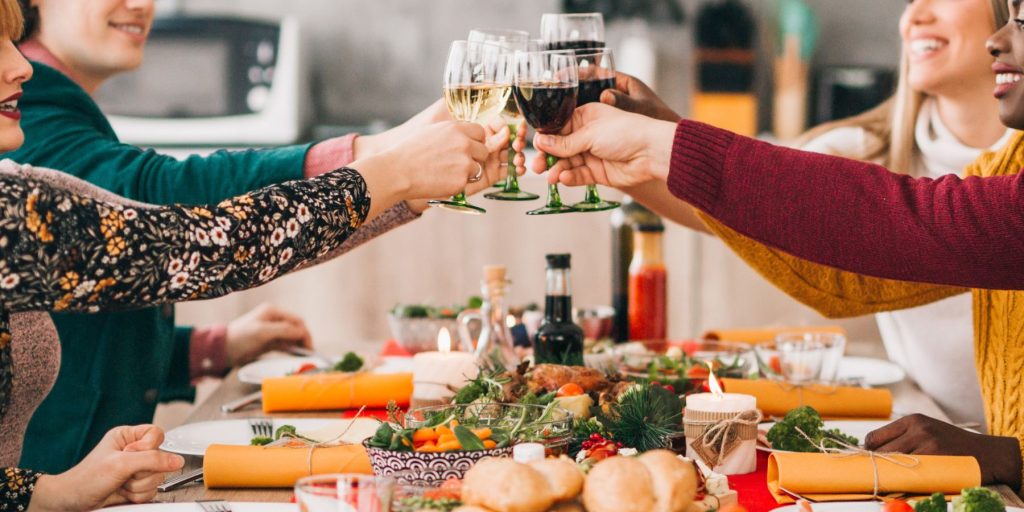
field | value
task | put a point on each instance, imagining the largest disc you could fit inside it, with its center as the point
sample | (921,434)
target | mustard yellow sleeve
(833,293)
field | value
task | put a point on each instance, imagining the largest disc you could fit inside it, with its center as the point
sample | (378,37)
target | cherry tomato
(306,367)
(570,389)
(897,506)
(775,364)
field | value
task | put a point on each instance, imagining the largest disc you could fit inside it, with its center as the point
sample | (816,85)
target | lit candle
(718,406)
(435,373)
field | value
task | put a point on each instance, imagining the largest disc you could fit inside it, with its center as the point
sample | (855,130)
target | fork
(214,505)
(262,427)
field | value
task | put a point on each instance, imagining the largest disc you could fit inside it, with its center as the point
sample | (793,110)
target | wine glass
(597,73)
(545,87)
(581,31)
(513,41)
(477,83)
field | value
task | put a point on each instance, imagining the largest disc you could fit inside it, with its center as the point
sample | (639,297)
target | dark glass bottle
(558,340)
(623,220)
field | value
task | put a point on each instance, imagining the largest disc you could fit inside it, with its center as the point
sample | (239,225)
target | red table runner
(753,487)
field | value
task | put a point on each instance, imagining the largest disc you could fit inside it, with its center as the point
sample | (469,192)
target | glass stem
(554,198)
(512,178)
(460,198)
(591,195)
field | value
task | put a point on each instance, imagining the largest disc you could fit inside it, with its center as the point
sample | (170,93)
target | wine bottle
(558,340)
(622,220)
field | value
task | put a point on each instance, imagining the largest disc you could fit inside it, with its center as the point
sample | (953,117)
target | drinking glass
(344,492)
(545,87)
(800,359)
(597,73)
(477,83)
(513,41)
(579,31)
(833,346)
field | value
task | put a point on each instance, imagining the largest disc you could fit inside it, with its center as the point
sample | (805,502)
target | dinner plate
(857,506)
(194,438)
(855,428)
(191,506)
(873,372)
(256,371)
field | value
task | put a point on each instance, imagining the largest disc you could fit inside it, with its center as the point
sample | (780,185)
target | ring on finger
(479,173)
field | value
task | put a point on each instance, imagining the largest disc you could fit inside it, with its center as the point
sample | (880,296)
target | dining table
(907,399)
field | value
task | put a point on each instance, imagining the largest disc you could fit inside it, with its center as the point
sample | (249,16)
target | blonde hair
(12,24)
(891,124)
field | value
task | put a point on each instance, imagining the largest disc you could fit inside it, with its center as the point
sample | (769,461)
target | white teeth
(923,46)
(133,29)
(9,106)
(1008,78)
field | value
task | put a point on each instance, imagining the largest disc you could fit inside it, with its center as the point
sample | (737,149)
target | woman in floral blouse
(68,246)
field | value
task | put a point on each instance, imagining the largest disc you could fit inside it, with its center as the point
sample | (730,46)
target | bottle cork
(494,273)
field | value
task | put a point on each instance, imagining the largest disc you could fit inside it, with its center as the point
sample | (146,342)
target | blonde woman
(942,117)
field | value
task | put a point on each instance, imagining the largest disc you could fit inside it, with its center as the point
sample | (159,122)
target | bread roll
(568,506)
(674,481)
(504,485)
(470,508)
(619,484)
(562,474)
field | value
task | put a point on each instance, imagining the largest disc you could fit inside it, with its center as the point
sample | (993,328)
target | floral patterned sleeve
(62,250)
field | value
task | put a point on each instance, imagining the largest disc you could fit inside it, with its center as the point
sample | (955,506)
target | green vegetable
(474,302)
(351,362)
(643,416)
(285,429)
(260,441)
(582,430)
(786,434)
(978,499)
(382,437)
(411,311)
(424,504)
(934,503)
(531,398)
(469,441)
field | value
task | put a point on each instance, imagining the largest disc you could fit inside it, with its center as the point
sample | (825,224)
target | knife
(238,404)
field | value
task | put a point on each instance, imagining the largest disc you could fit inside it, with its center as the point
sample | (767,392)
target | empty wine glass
(800,358)
(545,87)
(477,83)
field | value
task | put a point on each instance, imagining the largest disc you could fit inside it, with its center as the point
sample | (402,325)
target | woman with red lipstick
(118,366)
(66,245)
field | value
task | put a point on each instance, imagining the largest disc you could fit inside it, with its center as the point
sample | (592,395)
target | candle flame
(713,385)
(444,341)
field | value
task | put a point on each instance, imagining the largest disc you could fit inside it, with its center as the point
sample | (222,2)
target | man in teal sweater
(116,367)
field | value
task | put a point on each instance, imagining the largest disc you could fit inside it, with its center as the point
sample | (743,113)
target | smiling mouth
(137,30)
(1008,78)
(921,47)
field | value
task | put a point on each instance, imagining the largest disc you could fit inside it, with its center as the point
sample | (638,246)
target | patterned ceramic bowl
(430,469)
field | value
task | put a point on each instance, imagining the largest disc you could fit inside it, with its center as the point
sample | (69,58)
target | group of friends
(901,212)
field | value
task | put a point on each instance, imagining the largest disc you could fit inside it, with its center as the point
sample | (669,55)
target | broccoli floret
(784,435)
(934,503)
(351,362)
(978,499)
(285,429)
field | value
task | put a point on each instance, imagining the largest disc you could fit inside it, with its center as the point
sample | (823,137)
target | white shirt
(934,343)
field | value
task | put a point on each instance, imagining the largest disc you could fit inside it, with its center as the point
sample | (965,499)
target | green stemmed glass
(545,87)
(477,83)
(597,73)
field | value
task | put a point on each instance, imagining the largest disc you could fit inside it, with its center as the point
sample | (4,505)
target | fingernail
(544,140)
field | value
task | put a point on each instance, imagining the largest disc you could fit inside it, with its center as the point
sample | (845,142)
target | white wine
(511,114)
(477,103)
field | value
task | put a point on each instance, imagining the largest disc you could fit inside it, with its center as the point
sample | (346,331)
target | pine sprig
(643,416)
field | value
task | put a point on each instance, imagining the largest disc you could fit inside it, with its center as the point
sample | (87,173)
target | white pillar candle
(743,459)
(434,372)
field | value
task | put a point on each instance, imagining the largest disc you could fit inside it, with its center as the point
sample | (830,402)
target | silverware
(214,505)
(306,352)
(262,427)
(196,475)
(236,405)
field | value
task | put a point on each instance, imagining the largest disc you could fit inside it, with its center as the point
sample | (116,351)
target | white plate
(187,506)
(855,428)
(193,438)
(874,372)
(256,371)
(857,506)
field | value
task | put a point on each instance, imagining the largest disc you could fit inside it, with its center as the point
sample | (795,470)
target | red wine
(590,90)
(576,45)
(547,107)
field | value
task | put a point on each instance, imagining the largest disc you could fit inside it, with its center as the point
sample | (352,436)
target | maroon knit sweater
(852,215)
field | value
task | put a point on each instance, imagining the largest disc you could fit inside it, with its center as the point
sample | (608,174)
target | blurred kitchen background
(371,64)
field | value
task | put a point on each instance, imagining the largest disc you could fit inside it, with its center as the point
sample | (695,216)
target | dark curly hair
(31,16)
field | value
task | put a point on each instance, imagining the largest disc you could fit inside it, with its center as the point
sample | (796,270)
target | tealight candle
(436,373)
(705,409)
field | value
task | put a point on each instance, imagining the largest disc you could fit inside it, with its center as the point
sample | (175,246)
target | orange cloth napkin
(828,477)
(766,333)
(777,398)
(258,466)
(332,391)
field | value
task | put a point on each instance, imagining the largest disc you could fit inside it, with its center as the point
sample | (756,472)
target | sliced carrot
(442,431)
(489,444)
(427,448)
(482,433)
(446,438)
(449,446)
(424,434)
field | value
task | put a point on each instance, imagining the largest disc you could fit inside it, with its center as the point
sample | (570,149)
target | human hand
(126,466)
(261,330)
(607,146)
(632,95)
(368,145)
(998,457)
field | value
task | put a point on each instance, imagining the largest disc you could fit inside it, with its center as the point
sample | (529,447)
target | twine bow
(848,450)
(719,439)
(313,445)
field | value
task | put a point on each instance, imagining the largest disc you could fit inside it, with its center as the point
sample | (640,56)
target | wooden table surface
(908,399)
